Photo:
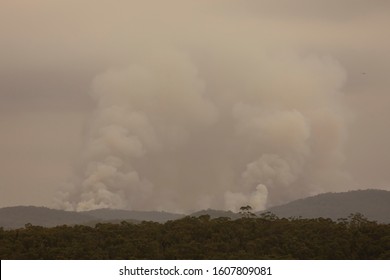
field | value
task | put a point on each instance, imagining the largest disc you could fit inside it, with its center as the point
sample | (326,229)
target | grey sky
(51,52)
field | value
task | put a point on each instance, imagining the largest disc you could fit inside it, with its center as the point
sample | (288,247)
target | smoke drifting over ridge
(189,121)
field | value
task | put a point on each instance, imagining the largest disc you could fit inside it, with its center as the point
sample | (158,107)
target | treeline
(266,237)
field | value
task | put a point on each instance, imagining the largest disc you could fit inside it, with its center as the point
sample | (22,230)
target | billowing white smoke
(181,130)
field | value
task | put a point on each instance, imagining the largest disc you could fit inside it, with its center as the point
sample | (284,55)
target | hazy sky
(177,105)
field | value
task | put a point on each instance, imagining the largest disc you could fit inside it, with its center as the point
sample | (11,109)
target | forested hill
(373,204)
(203,238)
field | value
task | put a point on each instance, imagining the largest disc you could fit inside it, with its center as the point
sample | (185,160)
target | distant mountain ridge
(117,214)
(19,216)
(216,214)
(373,204)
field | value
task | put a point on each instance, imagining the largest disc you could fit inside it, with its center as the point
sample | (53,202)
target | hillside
(373,204)
(216,214)
(19,216)
(116,214)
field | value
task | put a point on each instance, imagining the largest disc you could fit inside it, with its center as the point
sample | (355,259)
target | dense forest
(264,237)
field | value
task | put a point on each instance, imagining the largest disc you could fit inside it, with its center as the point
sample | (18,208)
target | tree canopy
(265,237)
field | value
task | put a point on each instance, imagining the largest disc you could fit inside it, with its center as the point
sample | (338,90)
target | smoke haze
(198,104)
(200,122)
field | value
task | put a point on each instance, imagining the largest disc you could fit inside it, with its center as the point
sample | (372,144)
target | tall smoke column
(173,132)
(193,116)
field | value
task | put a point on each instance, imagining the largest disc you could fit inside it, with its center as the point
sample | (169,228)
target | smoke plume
(211,117)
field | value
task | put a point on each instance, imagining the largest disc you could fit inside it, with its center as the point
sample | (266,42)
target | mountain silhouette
(373,204)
